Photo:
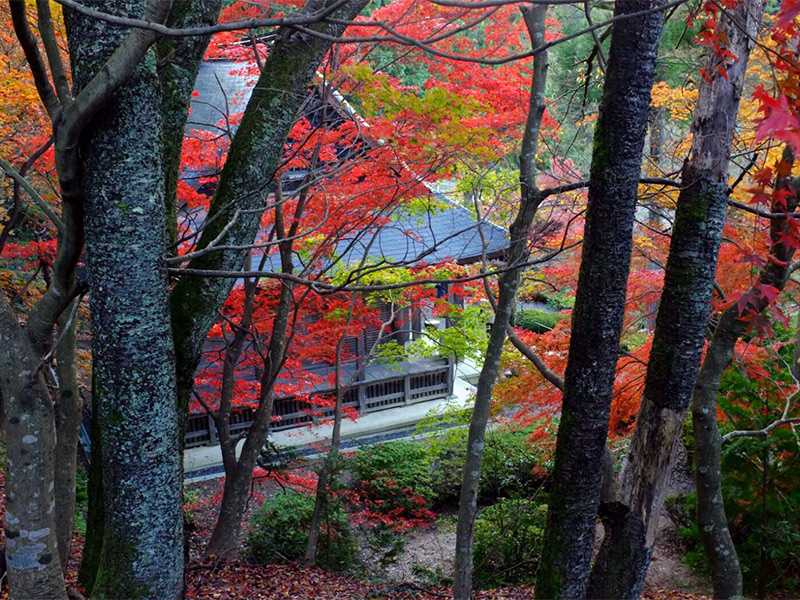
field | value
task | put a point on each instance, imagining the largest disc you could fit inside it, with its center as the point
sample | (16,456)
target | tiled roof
(448,232)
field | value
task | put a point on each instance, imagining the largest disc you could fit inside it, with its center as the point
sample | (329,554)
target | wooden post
(213,436)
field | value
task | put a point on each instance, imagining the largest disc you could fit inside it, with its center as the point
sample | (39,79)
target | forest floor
(427,555)
(427,552)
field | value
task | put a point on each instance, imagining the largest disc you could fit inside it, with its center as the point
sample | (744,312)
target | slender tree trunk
(507,287)
(711,519)
(255,153)
(682,318)
(600,302)
(331,463)
(134,362)
(93,545)
(712,522)
(227,529)
(33,565)
(329,467)
(68,421)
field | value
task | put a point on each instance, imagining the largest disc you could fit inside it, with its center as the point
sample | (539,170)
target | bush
(508,543)
(538,321)
(760,480)
(279,533)
(509,462)
(399,465)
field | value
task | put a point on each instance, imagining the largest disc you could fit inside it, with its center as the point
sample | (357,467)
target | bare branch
(37,199)
(157,26)
(30,47)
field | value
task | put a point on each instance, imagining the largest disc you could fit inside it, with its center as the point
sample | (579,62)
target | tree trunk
(600,302)
(68,422)
(682,316)
(33,565)
(530,198)
(93,545)
(711,519)
(331,463)
(134,363)
(712,522)
(179,60)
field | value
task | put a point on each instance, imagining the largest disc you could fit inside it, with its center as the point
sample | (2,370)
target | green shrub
(508,543)
(279,533)
(507,470)
(560,301)
(401,465)
(538,321)
(760,480)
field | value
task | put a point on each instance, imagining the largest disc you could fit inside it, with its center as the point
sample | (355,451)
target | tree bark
(711,519)
(68,421)
(530,198)
(682,315)
(179,61)
(33,565)
(142,547)
(599,310)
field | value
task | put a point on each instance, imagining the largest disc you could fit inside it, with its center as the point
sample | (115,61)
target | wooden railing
(364,396)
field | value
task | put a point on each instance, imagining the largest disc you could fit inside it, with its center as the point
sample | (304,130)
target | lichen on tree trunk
(682,317)
(600,301)
(34,569)
(134,364)
(68,420)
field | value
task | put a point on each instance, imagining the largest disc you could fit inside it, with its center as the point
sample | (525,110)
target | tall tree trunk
(682,319)
(600,301)
(530,198)
(68,421)
(179,60)
(711,519)
(134,361)
(33,565)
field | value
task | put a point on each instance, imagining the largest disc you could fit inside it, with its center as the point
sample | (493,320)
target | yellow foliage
(678,101)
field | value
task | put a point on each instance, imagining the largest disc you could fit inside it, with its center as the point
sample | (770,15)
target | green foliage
(509,460)
(538,321)
(761,481)
(508,542)
(279,533)
(400,465)
(465,338)
(559,301)
(81,499)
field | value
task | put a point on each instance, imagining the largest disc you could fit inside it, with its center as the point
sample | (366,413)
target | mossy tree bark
(179,61)
(599,310)
(134,363)
(33,564)
(711,519)
(68,415)
(682,318)
(530,198)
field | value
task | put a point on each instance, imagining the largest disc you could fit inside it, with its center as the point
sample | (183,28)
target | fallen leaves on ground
(232,580)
